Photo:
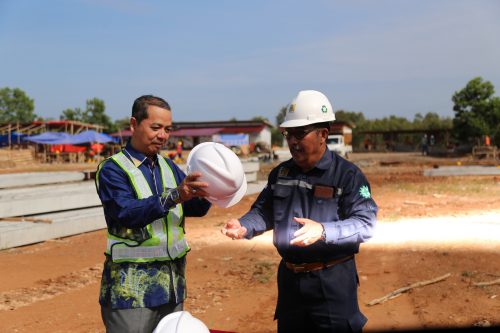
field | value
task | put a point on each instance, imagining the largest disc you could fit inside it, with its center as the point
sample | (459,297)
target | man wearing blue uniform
(145,199)
(320,208)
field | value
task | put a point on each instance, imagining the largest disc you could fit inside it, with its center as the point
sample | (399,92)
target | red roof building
(193,133)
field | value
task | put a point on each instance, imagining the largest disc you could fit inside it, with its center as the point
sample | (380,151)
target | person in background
(145,198)
(320,208)
(487,140)
(179,149)
(425,145)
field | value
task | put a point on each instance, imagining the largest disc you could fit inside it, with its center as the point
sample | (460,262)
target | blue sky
(215,60)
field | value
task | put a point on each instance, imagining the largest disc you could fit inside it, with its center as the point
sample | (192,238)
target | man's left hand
(191,187)
(310,232)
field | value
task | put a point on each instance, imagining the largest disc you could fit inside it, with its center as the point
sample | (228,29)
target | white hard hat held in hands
(222,170)
(181,322)
(308,107)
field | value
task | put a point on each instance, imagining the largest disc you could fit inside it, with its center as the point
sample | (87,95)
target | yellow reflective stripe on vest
(167,241)
(139,182)
(176,232)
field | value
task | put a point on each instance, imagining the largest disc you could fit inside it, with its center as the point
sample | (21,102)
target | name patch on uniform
(283,172)
(323,191)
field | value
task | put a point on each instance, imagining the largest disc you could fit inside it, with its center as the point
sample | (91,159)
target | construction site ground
(53,286)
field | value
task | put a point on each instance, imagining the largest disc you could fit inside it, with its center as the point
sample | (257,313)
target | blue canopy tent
(69,144)
(90,136)
(50,138)
(61,138)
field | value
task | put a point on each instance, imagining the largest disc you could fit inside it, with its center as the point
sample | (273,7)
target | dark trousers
(137,320)
(319,301)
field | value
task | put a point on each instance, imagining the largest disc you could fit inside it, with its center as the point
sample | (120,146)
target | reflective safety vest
(163,239)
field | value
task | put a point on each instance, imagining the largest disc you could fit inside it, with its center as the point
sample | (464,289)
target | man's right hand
(234,230)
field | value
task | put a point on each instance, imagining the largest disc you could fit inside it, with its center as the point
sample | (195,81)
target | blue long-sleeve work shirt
(161,282)
(119,200)
(334,193)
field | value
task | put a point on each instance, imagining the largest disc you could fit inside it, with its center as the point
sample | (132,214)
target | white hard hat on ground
(181,322)
(308,107)
(222,170)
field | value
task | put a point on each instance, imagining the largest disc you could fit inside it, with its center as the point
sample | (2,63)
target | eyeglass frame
(300,137)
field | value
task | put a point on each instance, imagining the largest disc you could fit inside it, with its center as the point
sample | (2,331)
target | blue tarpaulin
(61,138)
(90,136)
(232,139)
(50,138)
(14,138)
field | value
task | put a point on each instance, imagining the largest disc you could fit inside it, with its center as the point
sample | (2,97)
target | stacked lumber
(10,158)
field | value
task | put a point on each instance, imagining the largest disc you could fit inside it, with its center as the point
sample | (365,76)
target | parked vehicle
(336,143)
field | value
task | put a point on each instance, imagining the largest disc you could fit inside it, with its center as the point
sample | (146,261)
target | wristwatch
(323,235)
(172,194)
(175,196)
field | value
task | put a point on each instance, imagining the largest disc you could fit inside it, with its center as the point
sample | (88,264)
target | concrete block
(47,198)
(38,178)
(63,224)
(462,170)
(251,177)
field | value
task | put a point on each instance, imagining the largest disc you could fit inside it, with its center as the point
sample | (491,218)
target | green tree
(280,117)
(15,105)
(260,118)
(431,120)
(355,118)
(95,113)
(477,112)
(75,114)
(121,124)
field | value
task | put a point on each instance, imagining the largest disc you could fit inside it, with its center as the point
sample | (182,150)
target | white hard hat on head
(222,170)
(181,322)
(308,107)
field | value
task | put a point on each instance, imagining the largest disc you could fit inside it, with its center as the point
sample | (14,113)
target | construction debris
(489,283)
(399,291)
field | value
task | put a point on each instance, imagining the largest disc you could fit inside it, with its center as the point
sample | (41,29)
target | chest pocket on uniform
(282,195)
(325,209)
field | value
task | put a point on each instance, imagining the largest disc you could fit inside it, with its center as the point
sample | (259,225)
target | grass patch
(263,271)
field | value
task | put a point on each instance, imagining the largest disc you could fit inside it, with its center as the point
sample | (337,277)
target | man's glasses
(298,134)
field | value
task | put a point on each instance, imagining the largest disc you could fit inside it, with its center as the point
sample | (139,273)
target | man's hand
(234,230)
(191,187)
(310,232)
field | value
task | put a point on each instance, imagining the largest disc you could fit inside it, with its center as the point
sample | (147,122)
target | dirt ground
(53,286)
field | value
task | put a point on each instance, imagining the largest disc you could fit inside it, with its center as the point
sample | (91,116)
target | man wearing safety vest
(145,199)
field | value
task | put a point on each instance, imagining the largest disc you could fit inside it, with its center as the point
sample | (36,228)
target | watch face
(175,195)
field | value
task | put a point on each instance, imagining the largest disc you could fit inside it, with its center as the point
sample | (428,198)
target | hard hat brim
(305,122)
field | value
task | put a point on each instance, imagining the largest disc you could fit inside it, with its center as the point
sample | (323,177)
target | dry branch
(489,283)
(399,291)
(416,203)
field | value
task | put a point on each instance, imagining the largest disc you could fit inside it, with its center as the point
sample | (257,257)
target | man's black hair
(140,107)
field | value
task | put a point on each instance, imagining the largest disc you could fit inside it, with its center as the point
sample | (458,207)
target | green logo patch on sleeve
(364,192)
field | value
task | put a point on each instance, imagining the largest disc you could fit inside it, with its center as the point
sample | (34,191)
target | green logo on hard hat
(364,192)
(324,109)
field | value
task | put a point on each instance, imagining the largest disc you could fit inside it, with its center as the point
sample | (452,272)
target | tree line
(476,108)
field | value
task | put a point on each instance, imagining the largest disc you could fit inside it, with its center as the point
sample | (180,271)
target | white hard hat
(222,170)
(308,107)
(180,322)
